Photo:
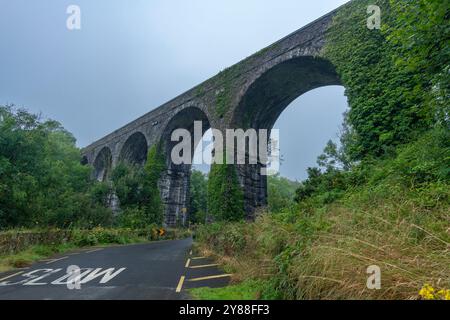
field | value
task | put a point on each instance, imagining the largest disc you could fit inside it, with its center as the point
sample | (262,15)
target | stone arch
(134,150)
(103,164)
(263,102)
(175,181)
(270,93)
(184,119)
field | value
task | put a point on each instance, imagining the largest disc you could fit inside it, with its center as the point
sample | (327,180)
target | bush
(391,212)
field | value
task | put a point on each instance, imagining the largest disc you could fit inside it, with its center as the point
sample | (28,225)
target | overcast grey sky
(131,56)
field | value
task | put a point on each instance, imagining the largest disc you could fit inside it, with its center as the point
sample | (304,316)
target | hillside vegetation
(398,218)
(44,185)
(382,197)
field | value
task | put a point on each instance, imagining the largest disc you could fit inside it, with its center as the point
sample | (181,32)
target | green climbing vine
(225,195)
(388,101)
(224,94)
(154,167)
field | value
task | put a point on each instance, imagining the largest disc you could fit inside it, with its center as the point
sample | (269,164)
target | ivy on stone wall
(224,94)
(154,167)
(421,37)
(225,195)
(387,100)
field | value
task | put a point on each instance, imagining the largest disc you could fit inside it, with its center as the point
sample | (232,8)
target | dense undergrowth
(396,217)
(382,197)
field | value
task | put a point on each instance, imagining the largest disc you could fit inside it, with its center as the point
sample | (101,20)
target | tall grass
(399,220)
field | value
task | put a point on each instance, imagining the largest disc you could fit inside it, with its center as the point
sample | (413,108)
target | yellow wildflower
(443,294)
(427,292)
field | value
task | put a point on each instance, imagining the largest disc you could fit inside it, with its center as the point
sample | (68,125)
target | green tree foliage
(198,203)
(416,164)
(138,192)
(225,195)
(128,182)
(281,193)
(387,100)
(42,182)
(334,157)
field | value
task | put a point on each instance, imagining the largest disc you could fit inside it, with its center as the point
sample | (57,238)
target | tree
(281,193)
(42,182)
(138,192)
(128,182)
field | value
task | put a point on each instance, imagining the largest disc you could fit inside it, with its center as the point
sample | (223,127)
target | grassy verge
(22,248)
(32,254)
(326,255)
(397,219)
(246,290)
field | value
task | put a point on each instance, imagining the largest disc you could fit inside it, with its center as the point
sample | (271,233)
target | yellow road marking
(10,276)
(204,266)
(187,263)
(54,260)
(196,258)
(210,277)
(180,284)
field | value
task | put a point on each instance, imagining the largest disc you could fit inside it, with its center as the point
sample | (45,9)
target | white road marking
(32,281)
(11,275)
(55,260)
(90,251)
(31,278)
(106,275)
(197,258)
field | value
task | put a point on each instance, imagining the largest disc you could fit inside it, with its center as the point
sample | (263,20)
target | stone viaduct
(250,94)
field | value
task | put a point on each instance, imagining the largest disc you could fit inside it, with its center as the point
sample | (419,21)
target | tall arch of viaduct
(250,94)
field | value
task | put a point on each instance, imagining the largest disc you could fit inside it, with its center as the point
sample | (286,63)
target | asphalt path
(163,270)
